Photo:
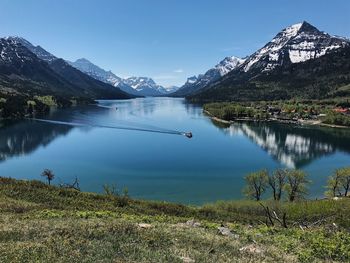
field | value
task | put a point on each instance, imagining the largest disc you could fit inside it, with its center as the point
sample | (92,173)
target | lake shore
(146,162)
(298,122)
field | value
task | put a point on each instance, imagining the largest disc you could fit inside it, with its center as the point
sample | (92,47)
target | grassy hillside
(41,223)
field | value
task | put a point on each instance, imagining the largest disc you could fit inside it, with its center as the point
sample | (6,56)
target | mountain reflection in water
(209,167)
(21,138)
(293,145)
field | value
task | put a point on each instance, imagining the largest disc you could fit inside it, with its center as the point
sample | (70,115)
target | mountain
(300,61)
(187,88)
(171,89)
(138,86)
(195,84)
(80,84)
(22,72)
(294,44)
(145,86)
(100,74)
(37,50)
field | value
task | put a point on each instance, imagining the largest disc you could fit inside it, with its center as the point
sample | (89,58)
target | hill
(42,223)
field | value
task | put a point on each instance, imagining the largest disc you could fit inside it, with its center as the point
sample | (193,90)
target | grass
(41,223)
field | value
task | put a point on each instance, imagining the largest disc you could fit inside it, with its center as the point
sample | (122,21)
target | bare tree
(277,182)
(296,186)
(256,184)
(334,184)
(272,215)
(345,179)
(49,175)
(74,185)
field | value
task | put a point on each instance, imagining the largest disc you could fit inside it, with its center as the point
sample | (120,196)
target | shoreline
(318,123)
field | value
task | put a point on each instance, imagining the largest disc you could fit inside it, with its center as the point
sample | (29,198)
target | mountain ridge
(80,84)
(196,83)
(283,56)
(100,74)
(138,86)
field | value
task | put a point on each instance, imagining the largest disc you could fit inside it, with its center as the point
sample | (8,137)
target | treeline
(230,111)
(336,118)
(293,184)
(20,106)
(284,110)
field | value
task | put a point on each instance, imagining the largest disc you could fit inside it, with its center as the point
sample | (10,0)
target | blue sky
(168,40)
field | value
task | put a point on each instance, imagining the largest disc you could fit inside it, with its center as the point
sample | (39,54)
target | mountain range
(31,70)
(139,86)
(300,61)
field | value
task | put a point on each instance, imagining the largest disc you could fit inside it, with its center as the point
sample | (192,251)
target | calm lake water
(161,166)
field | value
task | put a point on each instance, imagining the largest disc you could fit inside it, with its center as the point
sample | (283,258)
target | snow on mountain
(12,52)
(83,65)
(194,83)
(141,86)
(98,73)
(294,44)
(191,80)
(79,79)
(146,86)
(228,64)
(24,72)
(37,50)
(171,89)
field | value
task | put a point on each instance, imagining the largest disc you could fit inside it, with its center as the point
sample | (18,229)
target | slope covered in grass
(41,223)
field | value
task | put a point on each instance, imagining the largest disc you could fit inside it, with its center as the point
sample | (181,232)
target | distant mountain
(145,86)
(98,73)
(300,61)
(78,83)
(171,89)
(139,86)
(195,84)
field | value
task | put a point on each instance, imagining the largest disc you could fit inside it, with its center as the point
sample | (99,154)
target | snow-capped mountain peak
(228,64)
(37,50)
(191,80)
(194,84)
(171,89)
(141,86)
(146,86)
(11,51)
(296,43)
(100,74)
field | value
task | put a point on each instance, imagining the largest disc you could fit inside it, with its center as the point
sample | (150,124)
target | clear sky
(168,40)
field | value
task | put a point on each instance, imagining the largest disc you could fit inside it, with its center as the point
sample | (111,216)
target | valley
(108,153)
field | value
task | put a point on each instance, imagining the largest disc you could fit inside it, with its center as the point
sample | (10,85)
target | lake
(158,165)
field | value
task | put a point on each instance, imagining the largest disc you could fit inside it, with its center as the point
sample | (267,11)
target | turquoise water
(161,166)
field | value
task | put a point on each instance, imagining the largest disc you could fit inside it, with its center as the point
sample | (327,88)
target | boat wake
(82,124)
